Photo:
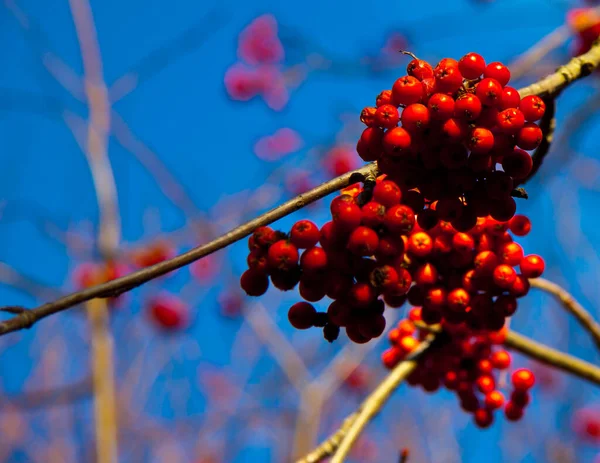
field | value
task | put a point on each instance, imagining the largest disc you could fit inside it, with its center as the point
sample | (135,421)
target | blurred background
(196,116)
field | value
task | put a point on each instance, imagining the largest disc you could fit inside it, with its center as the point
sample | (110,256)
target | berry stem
(571,305)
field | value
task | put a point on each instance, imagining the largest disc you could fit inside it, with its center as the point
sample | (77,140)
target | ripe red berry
(399,218)
(385,97)
(367,116)
(314,261)
(347,216)
(510,253)
(373,214)
(363,241)
(485,384)
(390,357)
(257,260)
(458,300)
(532,266)
(494,400)
(387,116)
(396,141)
(283,255)
(456,130)
(503,209)
(485,262)
(480,140)
(419,69)
(407,90)
(530,136)
(504,276)
(448,78)
(370,144)
(419,244)
(471,66)
(498,71)
(302,315)
(520,225)
(387,193)
(362,295)
(510,120)
(264,237)
(304,234)
(254,283)
(168,312)
(523,379)
(463,242)
(468,107)
(500,360)
(426,275)
(513,412)
(520,287)
(510,98)
(489,92)
(533,108)
(441,106)
(415,117)
(517,164)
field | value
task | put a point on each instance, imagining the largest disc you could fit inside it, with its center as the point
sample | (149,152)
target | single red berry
(354,334)
(390,357)
(396,141)
(426,275)
(264,237)
(533,108)
(510,253)
(402,286)
(283,255)
(435,299)
(254,283)
(532,266)
(471,66)
(362,295)
(480,140)
(510,98)
(520,225)
(302,315)
(510,120)
(168,312)
(517,164)
(370,144)
(458,300)
(500,360)
(304,234)
(387,193)
(485,262)
(456,130)
(407,344)
(363,241)
(384,277)
(468,107)
(314,261)
(257,260)
(504,276)
(387,116)
(494,400)
(523,379)
(520,287)
(399,219)
(529,137)
(419,69)
(448,78)
(512,411)
(489,92)
(503,209)
(485,384)
(407,90)
(463,242)
(415,117)
(390,246)
(347,216)
(505,305)
(488,117)
(385,97)
(419,244)
(498,71)
(520,398)
(441,106)
(367,116)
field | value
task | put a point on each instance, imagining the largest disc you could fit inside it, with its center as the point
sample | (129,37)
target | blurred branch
(15,279)
(571,305)
(135,279)
(340,442)
(61,395)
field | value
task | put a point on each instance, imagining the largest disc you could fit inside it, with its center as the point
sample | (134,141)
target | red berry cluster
(457,124)
(465,364)
(373,247)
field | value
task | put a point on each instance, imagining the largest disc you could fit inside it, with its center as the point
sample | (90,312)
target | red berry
(513,412)
(441,106)
(504,276)
(363,241)
(503,209)
(387,116)
(494,400)
(463,242)
(362,294)
(523,379)
(505,305)
(257,260)
(458,300)
(390,357)
(314,261)
(520,287)
(254,283)
(419,244)
(485,384)
(480,140)
(168,312)
(367,116)
(304,234)
(530,136)
(532,266)
(510,120)
(385,97)
(485,262)
(396,141)
(372,214)
(415,117)
(399,219)
(387,193)
(520,225)
(407,90)
(510,98)
(448,78)
(468,107)
(283,255)
(517,164)
(347,216)
(500,360)
(264,237)
(383,277)
(370,144)
(471,66)
(419,69)
(489,92)
(302,315)
(456,130)
(510,253)
(533,108)
(498,71)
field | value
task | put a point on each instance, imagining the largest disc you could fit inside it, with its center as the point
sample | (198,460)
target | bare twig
(571,305)
(135,279)
(61,395)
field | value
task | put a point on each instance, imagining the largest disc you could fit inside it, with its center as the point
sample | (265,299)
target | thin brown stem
(571,305)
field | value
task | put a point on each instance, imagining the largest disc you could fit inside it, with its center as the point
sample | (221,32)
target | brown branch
(61,395)
(571,305)
(135,279)
(578,67)
(340,442)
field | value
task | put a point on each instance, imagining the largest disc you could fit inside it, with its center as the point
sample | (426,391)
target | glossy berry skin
(302,315)
(420,244)
(494,400)
(529,137)
(363,241)
(385,97)
(304,234)
(254,283)
(441,106)
(498,71)
(415,117)
(367,116)
(448,78)
(523,379)
(407,90)
(314,261)
(419,69)
(489,92)
(387,116)
(533,108)
(532,266)
(399,218)
(481,141)
(283,255)
(520,225)
(510,98)
(500,360)
(387,193)
(468,107)
(471,66)
(504,276)
(510,120)
(396,141)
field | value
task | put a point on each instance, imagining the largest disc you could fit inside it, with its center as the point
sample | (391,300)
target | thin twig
(571,305)
(61,395)
(340,442)
(135,279)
